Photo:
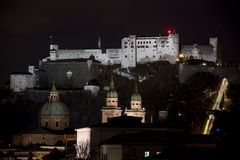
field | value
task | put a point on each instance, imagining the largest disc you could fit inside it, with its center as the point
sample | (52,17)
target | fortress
(133,50)
(66,66)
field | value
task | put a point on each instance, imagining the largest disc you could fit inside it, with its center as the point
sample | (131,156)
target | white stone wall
(133,50)
(128,55)
(31,69)
(19,82)
(80,53)
(214,42)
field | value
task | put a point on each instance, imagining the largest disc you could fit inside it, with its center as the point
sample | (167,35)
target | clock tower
(111,109)
(136,109)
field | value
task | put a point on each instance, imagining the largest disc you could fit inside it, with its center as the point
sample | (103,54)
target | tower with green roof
(111,109)
(136,109)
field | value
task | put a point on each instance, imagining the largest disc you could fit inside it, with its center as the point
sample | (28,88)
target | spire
(135,90)
(99,43)
(112,83)
(136,95)
(53,93)
(53,87)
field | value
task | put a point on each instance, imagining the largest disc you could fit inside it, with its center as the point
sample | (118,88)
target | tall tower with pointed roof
(99,43)
(111,109)
(53,49)
(136,109)
(54,114)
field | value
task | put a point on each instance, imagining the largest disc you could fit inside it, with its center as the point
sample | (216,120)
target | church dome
(112,94)
(54,108)
(136,97)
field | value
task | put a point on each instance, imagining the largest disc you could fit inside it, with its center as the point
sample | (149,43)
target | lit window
(146,154)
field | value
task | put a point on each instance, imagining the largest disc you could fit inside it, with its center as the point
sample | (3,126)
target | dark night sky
(26,25)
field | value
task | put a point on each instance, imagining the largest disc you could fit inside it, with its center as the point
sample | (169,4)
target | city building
(201,52)
(113,110)
(66,66)
(126,137)
(133,50)
(136,109)
(53,127)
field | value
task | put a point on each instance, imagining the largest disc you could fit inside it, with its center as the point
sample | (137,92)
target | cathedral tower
(136,109)
(111,109)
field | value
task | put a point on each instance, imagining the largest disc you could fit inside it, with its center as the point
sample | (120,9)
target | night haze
(26,26)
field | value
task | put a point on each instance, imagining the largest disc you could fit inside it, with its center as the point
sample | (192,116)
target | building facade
(21,81)
(66,66)
(203,52)
(113,110)
(136,109)
(133,50)
(54,114)
(54,118)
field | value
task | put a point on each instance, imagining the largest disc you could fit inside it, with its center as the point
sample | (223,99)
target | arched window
(56,124)
(46,124)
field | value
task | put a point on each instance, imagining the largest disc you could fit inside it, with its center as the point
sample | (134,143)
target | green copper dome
(136,97)
(54,108)
(112,94)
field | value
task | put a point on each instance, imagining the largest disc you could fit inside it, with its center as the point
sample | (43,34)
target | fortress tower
(214,42)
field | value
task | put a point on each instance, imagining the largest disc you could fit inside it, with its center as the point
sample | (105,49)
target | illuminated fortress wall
(133,50)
